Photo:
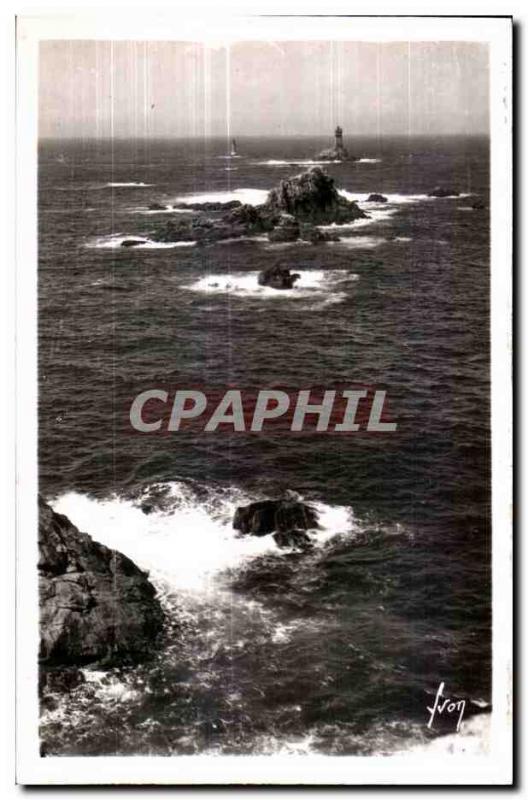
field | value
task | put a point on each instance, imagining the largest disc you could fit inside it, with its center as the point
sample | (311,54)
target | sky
(99,89)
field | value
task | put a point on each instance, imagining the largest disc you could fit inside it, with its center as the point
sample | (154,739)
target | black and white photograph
(269,313)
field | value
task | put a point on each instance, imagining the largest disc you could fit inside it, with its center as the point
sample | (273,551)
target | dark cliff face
(313,197)
(95,604)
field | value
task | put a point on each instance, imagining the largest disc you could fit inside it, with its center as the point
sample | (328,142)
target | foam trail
(136,184)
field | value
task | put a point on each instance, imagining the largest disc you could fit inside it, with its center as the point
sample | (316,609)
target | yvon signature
(446,705)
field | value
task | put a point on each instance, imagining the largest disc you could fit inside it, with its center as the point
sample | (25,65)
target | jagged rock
(312,197)
(439,191)
(95,604)
(376,198)
(278,277)
(285,516)
(286,231)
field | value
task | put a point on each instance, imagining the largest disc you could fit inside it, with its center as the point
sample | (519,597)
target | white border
(409,769)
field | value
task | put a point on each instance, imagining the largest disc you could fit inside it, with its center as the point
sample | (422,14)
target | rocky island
(292,211)
(338,152)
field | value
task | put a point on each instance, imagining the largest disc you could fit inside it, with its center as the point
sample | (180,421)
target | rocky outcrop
(376,198)
(157,207)
(132,242)
(287,230)
(95,604)
(278,277)
(440,191)
(334,154)
(284,516)
(478,205)
(312,197)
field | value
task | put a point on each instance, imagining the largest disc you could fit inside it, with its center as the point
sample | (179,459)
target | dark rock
(278,277)
(211,206)
(296,539)
(286,231)
(275,516)
(60,679)
(376,198)
(157,207)
(478,205)
(95,604)
(439,191)
(312,197)
(132,242)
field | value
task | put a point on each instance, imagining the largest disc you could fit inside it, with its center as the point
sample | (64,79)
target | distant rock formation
(376,198)
(278,277)
(312,197)
(440,191)
(96,606)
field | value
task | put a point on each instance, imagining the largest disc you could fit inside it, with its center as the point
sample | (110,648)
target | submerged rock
(95,604)
(278,277)
(284,516)
(157,207)
(478,205)
(312,197)
(214,205)
(376,198)
(440,191)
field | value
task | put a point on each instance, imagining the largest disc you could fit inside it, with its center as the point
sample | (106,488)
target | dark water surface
(265,650)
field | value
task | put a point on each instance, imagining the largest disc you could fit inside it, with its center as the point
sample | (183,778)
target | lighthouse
(338,152)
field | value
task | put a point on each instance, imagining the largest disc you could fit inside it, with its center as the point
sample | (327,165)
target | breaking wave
(115,241)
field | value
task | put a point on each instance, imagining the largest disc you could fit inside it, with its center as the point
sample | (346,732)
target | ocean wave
(168,210)
(115,241)
(368,161)
(189,542)
(313,284)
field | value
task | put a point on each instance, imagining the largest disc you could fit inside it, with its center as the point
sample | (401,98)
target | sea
(338,650)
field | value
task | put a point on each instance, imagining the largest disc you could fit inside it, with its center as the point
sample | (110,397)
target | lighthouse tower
(339,138)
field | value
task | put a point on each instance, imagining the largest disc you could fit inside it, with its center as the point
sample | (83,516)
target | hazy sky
(163,89)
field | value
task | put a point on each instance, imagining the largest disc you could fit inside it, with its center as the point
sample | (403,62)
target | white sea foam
(115,241)
(313,284)
(137,184)
(167,210)
(272,162)
(188,547)
(359,242)
(368,160)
